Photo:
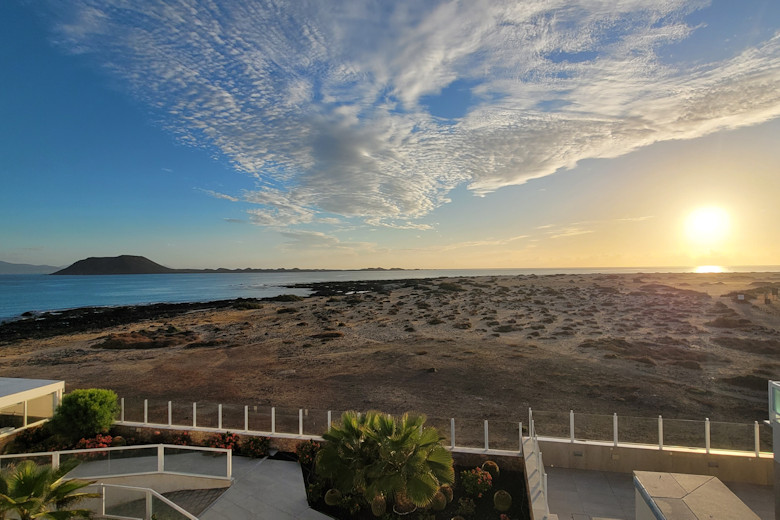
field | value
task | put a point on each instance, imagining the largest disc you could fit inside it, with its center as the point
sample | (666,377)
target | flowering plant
(256,447)
(98,441)
(476,481)
(181,439)
(306,452)
(226,440)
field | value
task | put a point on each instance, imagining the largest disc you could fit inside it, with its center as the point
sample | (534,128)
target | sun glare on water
(707,226)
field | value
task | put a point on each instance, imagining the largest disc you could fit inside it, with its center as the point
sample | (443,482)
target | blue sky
(411,134)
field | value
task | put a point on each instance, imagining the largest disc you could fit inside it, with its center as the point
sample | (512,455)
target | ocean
(38,293)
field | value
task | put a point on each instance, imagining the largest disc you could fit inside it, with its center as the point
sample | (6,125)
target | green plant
(33,491)
(307,452)
(333,497)
(256,447)
(492,468)
(227,440)
(85,413)
(466,506)
(181,439)
(446,490)
(476,481)
(376,454)
(439,501)
(378,505)
(502,500)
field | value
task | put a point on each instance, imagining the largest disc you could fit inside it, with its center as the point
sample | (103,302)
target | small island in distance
(130,264)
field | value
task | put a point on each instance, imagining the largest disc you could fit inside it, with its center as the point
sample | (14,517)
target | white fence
(137,460)
(463,434)
(133,503)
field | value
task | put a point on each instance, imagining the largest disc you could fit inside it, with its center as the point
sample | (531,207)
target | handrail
(148,493)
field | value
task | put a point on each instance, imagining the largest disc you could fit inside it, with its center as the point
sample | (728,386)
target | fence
(536,476)
(137,460)
(467,434)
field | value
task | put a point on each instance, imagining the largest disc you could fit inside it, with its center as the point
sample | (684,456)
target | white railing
(138,460)
(471,434)
(133,503)
(536,476)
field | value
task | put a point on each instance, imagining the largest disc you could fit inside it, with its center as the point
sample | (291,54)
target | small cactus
(446,489)
(492,468)
(379,506)
(502,500)
(333,497)
(439,501)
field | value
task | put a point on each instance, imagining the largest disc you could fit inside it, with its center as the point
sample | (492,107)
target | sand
(483,347)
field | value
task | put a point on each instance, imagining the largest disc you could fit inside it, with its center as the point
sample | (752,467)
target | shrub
(225,440)
(181,439)
(333,497)
(307,451)
(98,441)
(502,500)
(85,413)
(256,447)
(476,481)
(466,506)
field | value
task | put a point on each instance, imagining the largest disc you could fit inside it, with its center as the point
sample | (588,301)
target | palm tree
(34,491)
(375,455)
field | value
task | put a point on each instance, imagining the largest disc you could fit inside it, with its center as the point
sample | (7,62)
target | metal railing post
(219,416)
(55,459)
(300,421)
(329,419)
(146,411)
(520,434)
(149,511)
(487,445)
(230,464)
(707,434)
(530,421)
(452,433)
(160,458)
(194,415)
(571,425)
(756,438)
(273,420)
(103,499)
(122,409)
(660,432)
(170,413)
(615,428)
(246,418)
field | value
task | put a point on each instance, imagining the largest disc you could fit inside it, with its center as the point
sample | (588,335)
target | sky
(414,134)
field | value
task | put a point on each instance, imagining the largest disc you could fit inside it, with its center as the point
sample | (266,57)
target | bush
(306,452)
(85,413)
(227,440)
(476,481)
(181,439)
(502,500)
(256,447)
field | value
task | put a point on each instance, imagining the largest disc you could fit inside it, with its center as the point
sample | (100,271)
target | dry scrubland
(486,347)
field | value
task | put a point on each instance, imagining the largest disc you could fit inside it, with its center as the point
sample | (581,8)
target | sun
(707,225)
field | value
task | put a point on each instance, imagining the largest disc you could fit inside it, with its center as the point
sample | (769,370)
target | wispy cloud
(322,103)
(218,195)
(313,240)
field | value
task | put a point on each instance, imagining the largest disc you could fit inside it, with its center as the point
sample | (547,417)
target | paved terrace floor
(575,494)
(263,489)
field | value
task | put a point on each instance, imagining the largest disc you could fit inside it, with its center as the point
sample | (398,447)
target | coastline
(638,345)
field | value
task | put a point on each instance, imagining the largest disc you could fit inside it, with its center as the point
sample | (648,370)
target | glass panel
(40,408)
(551,424)
(181,413)
(315,422)
(134,409)
(504,435)
(196,462)
(765,437)
(639,430)
(158,411)
(11,461)
(162,511)
(125,502)
(469,433)
(113,462)
(260,418)
(12,417)
(732,436)
(776,399)
(680,432)
(593,427)
(287,420)
(208,416)
(442,425)
(233,417)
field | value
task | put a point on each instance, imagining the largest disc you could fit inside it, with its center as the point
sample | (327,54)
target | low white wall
(623,459)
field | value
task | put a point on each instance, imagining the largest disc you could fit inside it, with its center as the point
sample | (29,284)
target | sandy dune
(488,347)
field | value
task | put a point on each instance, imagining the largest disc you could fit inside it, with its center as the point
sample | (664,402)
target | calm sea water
(22,293)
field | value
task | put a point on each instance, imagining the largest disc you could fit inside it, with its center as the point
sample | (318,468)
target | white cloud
(322,103)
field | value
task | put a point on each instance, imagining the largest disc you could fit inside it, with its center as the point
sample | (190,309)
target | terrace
(577,466)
